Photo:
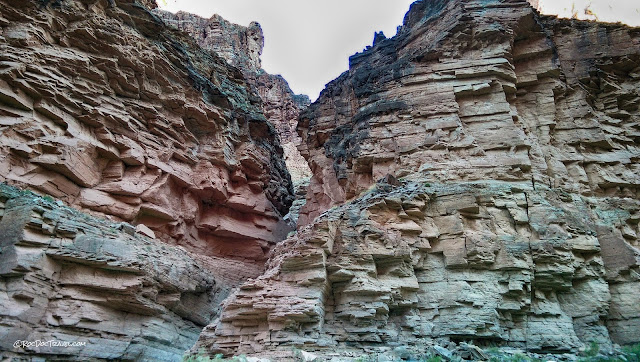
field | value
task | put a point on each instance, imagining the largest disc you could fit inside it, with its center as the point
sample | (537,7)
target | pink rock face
(111,111)
(241,46)
(70,277)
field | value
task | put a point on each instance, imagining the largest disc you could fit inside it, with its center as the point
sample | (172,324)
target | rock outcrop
(475,178)
(242,46)
(110,110)
(542,82)
(69,277)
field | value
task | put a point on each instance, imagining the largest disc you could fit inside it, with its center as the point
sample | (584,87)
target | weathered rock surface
(117,114)
(110,110)
(242,46)
(70,277)
(475,178)
(493,262)
(467,92)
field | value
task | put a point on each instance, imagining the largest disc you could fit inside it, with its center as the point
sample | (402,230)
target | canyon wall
(242,46)
(475,178)
(107,109)
(116,292)
(110,110)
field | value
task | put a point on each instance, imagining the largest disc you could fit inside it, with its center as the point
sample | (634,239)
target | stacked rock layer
(475,178)
(115,293)
(109,109)
(242,46)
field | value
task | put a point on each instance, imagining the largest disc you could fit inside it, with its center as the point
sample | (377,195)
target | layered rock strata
(110,110)
(475,178)
(493,262)
(467,92)
(242,46)
(118,294)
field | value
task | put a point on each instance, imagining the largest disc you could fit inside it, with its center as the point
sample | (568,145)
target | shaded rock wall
(474,178)
(242,46)
(421,263)
(110,110)
(69,277)
(239,45)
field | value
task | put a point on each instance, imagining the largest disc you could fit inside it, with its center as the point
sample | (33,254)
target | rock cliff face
(238,45)
(242,46)
(543,83)
(110,110)
(474,178)
(73,278)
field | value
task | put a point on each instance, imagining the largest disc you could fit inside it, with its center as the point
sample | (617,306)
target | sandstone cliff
(242,46)
(72,278)
(112,112)
(475,178)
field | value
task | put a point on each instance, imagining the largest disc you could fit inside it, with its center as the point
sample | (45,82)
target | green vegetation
(593,349)
(202,357)
(433,359)
(518,357)
(366,358)
(632,353)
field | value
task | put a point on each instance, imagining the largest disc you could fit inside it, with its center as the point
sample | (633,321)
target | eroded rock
(242,46)
(425,261)
(70,277)
(475,178)
(112,111)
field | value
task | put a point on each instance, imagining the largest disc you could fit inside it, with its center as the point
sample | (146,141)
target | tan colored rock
(474,179)
(480,104)
(364,276)
(242,46)
(144,230)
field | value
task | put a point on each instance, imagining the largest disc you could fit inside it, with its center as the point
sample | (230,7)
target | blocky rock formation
(474,178)
(110,110)
(242,46)
(69,277)
(282,108)
(561,93)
